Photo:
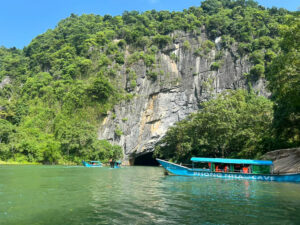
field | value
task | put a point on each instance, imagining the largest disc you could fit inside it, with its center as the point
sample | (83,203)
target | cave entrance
(145,160)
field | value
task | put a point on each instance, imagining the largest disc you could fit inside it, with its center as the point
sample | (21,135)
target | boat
(229,168)
(115,164)
(92,163)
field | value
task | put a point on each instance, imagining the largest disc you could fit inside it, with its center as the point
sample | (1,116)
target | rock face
(184,81)
(285,160)
(4,82)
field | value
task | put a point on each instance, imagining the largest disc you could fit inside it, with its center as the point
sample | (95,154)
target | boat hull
(86,164)
(185,171)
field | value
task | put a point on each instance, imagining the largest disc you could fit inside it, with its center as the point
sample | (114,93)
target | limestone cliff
(285,160)
(185,79)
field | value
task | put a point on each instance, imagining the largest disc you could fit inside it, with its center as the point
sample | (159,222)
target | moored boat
(115,164)
(92,163)
(229,168)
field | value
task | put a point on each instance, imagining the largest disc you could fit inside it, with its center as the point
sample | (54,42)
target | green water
(139,195)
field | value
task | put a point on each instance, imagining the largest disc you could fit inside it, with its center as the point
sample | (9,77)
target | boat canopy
(94,161)
(233,161)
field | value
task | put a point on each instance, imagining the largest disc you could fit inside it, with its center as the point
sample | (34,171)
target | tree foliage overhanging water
(235,124)
(64,82)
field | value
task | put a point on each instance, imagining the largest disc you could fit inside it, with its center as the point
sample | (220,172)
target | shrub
(174,57)
(244,48)
(257,57)
(149,59)
(257,71)
(133,84)
(215,66)
(219,55)
(133,58)
(120,58)
(186,45)
(199,52)
(152,75)
(162,40)
(100,89)
(122,44)
(118,131)
(208,44)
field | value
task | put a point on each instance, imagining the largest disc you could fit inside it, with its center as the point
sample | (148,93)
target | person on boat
(113,164)
(245,169)
(226,169)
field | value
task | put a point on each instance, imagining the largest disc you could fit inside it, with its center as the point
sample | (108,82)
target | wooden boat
(230,168)
(92,163)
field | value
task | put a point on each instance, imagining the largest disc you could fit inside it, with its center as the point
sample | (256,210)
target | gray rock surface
(182,84)
(6,80)
(285,160)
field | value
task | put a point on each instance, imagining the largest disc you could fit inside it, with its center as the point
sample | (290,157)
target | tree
(6,131)
(6,128)
(117,152)
(100,89)
(211,6)
(235,124)
(162,40)
(284,83)
(67,78)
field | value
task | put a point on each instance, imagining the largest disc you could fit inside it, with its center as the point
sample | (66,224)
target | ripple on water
(139,195)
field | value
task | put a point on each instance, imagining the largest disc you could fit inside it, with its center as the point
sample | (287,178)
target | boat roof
(95,161)
(233,161)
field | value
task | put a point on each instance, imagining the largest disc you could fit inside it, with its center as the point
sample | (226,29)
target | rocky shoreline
(285,160)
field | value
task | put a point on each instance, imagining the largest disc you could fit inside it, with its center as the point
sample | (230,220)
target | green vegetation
(118,132)
(66,80)
(284,82)
(186,45)
(215,66)
(235,124)
(174,57)
(152,75)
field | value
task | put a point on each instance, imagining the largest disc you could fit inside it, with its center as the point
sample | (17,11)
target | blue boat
(92,163)
(229,168)
(115,164)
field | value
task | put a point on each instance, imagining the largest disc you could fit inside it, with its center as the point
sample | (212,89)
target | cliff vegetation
(55,93)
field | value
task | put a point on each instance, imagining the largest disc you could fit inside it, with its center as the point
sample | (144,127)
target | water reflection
(238,200)
(140,195)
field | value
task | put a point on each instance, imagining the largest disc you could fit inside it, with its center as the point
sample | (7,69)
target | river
(34,195)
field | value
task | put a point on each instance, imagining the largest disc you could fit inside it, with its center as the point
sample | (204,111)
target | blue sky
(22,20)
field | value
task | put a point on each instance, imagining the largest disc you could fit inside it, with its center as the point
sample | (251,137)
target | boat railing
(186,165)
(244,170)
(202,170)
(218,170)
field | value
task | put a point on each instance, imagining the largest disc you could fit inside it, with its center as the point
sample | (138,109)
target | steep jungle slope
(128,78)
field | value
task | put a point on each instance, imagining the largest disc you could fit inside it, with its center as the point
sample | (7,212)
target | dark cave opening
(145,160)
